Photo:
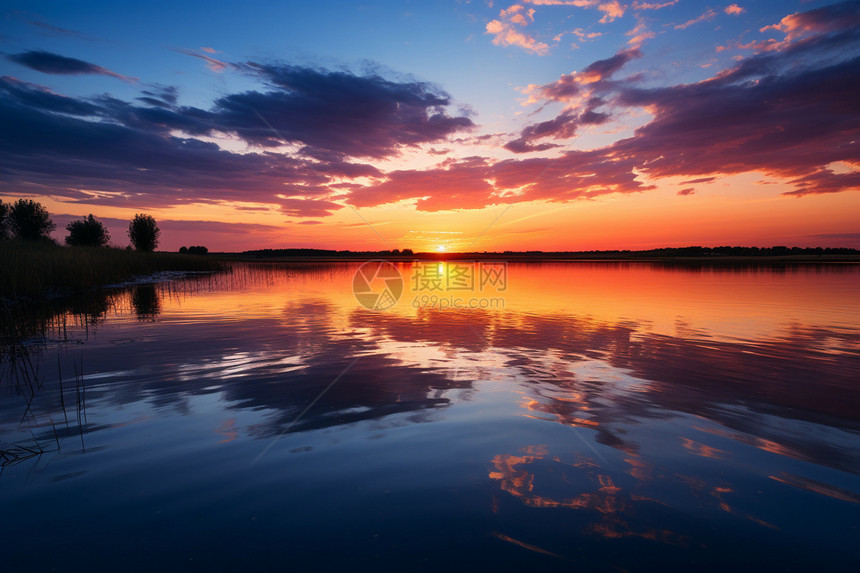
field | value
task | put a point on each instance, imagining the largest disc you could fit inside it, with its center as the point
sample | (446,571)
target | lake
(531,417)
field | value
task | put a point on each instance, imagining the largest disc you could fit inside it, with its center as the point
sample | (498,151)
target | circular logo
(377,285)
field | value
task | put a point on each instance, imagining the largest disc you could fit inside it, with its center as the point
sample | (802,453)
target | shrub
(143,232)
(89,232)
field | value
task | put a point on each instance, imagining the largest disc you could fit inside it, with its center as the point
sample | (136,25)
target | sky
(448,125)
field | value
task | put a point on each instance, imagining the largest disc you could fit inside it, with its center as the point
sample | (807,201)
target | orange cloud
(506,33)
(611,10)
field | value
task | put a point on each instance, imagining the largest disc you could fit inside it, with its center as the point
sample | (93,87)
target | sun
(441,249)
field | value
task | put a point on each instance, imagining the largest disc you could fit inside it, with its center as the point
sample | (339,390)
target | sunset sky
(482,125)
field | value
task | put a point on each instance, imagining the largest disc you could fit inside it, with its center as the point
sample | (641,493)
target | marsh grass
(40,270)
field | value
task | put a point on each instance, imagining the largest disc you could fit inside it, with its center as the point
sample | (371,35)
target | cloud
(212,63)
(733,10)
(611,9)
(56,30)
(853,236)
(835,17)
(564,126)
(569,88)
(455,185)
(709,14)
(475,182)
(304,207)
(505,30)
(602,69)
(825,181)
(687,191)
(789,113)
(50,63)
(639,34)
(107,151)
(652,5)
(577,90)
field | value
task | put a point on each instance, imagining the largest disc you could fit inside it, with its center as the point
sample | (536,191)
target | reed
(39,270)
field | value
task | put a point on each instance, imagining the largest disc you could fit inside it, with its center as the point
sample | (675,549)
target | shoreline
(545,258)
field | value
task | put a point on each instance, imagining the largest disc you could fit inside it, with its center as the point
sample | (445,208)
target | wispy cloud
(50,63)
(653,5)
(213,64)
(708,15)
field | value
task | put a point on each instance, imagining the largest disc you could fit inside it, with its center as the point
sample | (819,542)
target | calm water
(608,418)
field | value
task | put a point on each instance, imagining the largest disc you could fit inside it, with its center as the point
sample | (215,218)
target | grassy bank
(39,270)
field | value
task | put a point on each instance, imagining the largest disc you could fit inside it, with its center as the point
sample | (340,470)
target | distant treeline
(324,253)
(779,251)
(715,252)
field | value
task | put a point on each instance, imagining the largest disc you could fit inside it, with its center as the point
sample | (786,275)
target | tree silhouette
(89,232)
(143,232)
(30,220)
(4,221)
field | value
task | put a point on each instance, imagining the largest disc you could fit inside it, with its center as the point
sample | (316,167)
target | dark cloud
(824,20)
(698,180)
(603,69)
(146,153)
(358,116)
(580,92)
(34,97)
(687,191)
(825,181)
(50,63)
(791,124)
(563,126)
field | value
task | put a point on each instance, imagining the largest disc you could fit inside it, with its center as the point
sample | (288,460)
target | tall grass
(38,270)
